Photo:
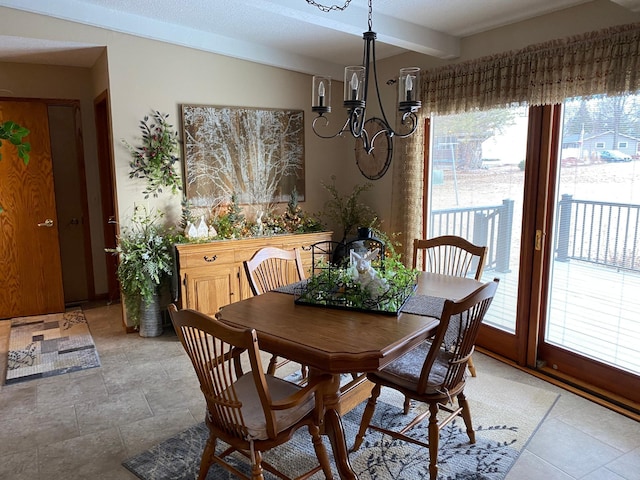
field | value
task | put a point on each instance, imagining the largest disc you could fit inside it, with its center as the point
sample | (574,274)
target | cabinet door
(208,291)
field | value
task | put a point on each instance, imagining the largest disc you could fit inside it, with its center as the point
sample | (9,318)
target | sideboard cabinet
(212,274)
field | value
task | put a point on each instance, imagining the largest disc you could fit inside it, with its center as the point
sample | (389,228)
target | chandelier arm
(326,122)
(378,133)
(356,121)
(414,125)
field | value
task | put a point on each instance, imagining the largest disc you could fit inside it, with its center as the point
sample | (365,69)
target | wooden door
(30,269)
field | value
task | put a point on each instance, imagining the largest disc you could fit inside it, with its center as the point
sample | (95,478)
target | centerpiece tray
(349,297)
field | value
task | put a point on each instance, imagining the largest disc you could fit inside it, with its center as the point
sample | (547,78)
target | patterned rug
(47,345)
(504,421)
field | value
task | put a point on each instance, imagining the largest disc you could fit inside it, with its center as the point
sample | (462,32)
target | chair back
(449,255)
(214,349)
(452,346)
(272,267)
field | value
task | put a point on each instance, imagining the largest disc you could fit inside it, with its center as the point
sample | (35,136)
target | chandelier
(372,159)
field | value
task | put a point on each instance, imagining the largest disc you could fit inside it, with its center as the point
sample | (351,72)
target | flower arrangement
(230,221)
(146,259)
(358,285)
(154,160)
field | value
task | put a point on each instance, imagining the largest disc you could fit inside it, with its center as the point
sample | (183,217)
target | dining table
(340,341)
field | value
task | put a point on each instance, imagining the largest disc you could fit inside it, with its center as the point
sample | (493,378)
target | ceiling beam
(633,5)
(354,19)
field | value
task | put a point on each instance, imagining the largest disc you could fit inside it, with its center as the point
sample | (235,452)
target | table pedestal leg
(334,430)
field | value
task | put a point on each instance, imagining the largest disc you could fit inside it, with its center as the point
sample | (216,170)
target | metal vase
(151,318)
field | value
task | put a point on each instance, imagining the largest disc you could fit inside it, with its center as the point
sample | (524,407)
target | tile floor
(83,425)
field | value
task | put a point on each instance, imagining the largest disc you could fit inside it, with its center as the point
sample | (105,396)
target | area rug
(47,345)
(505,416)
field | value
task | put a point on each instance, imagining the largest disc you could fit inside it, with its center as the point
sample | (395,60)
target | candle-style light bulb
(354,87)
(409,87)
(321,94)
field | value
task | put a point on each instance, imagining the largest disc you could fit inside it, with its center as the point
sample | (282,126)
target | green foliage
(15,134)
(341,286)
(295,220)
(145,251)
(347,210)
(231,223)
(186,215)
(154,160)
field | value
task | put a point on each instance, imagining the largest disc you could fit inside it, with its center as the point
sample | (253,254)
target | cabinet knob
(207,258)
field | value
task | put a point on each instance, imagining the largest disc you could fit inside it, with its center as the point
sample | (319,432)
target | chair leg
(434,438)
(321,451)
(366,417)
(471,366)
(207,457)
(271,369)
(256,466)
(466,416)
(407,405)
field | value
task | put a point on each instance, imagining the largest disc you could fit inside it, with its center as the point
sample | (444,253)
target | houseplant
(347,210)
(154,159)
(15,134)
(146,263)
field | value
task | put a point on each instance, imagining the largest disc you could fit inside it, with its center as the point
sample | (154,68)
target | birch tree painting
(256,154)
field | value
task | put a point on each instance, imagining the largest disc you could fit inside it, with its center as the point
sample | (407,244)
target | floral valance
(602,62)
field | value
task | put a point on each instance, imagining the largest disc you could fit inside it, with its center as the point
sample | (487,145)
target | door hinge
(539,236)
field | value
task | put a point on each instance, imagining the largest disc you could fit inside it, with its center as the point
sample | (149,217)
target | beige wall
(143,75)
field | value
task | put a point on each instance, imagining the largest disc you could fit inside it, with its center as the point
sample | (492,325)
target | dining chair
(270,268)
(251,412)
(434,375)
(450,255)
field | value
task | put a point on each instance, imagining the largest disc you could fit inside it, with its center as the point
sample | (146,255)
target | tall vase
(150,318)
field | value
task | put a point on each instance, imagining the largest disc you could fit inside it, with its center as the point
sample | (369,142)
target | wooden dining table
(339,341)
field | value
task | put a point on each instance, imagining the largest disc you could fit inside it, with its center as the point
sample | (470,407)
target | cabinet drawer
(203,257)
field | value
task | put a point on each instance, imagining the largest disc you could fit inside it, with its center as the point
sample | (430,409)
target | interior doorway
(69,179)
(107,191)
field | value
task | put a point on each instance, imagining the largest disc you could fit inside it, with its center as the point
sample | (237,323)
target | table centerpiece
(358,285)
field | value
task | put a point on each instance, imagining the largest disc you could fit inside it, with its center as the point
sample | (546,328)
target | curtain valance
(606,61)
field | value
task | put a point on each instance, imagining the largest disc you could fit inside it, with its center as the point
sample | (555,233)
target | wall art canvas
(256,155)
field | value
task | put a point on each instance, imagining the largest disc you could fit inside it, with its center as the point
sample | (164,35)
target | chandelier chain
(329,8)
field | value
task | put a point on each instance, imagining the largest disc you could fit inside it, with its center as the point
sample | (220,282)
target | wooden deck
(594,311)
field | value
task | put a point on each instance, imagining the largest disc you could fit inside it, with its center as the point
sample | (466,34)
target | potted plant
(154,160)
(146,263)
(15,134)
(347,210)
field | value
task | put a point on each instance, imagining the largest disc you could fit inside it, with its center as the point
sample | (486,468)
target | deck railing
(603,233)
(491,226)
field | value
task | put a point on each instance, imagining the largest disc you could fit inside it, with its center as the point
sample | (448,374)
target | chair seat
(253,413)
(405,371)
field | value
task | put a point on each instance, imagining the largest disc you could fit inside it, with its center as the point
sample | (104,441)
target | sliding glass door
(554,192)
(476,190)
(592,327)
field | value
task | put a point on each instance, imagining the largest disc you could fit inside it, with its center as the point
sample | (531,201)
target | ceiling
(286,33)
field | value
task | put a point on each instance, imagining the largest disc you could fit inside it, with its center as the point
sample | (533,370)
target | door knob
(47,223)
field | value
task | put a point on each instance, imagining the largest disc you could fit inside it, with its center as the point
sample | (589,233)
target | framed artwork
(255,154)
